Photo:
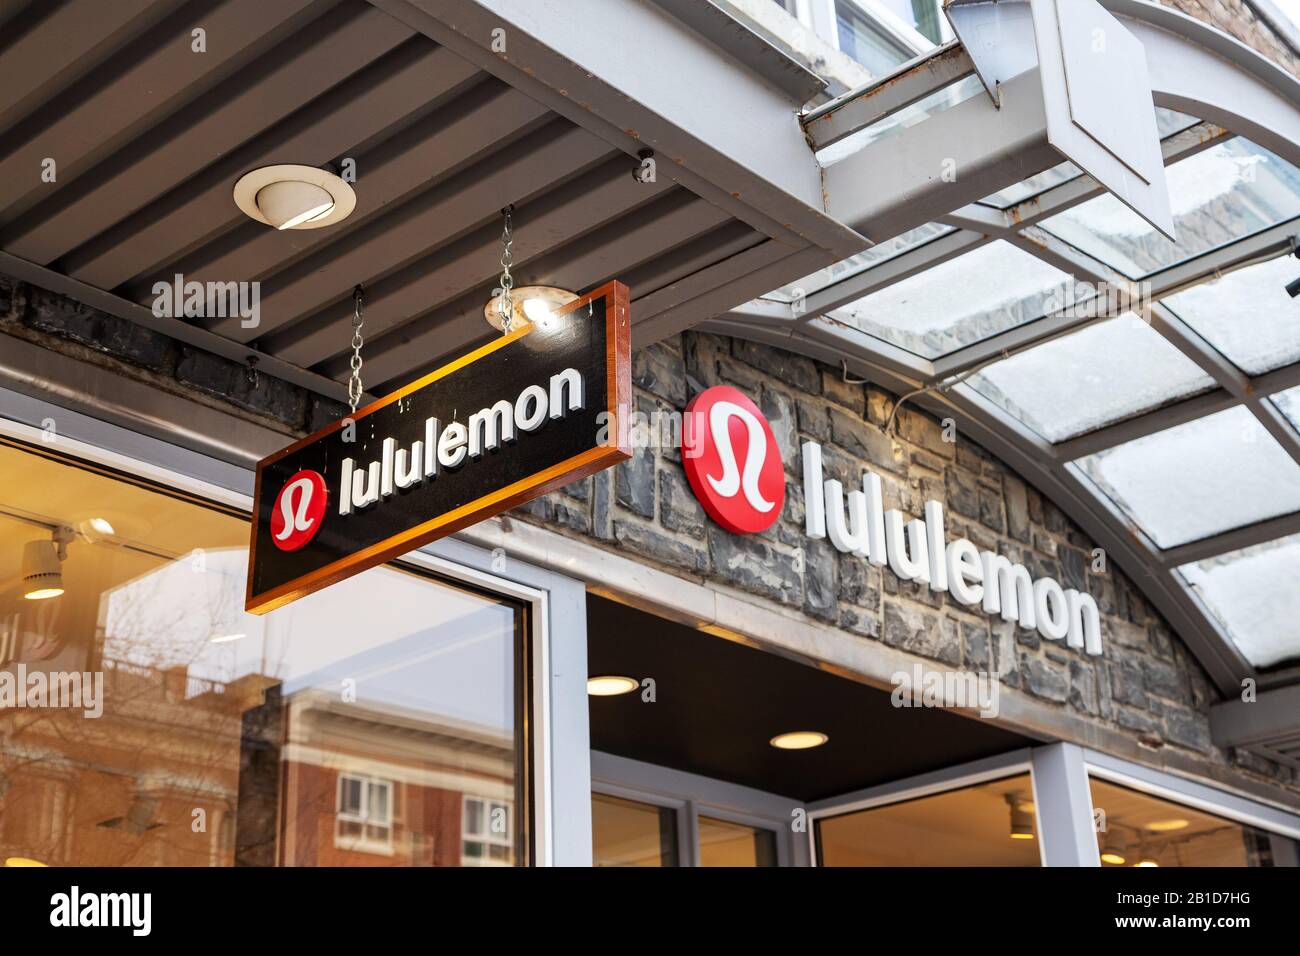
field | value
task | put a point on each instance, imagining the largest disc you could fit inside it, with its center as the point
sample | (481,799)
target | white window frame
(559,765)
(487,837)
(364,843)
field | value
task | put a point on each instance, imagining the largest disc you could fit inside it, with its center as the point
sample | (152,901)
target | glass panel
(723,843)
(1106,372)
(959,302)
(628,833)
(1226,192)
(1246,315)
(1198,479)
(1252,593)
(880,252)
(918,112)
(992,824)
(295,736)
(1288,403)
(1142,830)
(865,42)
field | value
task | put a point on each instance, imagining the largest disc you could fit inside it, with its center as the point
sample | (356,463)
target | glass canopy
(1163,407)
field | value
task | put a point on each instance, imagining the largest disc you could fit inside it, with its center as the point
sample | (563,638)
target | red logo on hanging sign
(298,511)
(732,460)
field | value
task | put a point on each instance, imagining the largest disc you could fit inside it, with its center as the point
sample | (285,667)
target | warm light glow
(22,861)
(610,686)
(1027,806)
(42,594)
(308,215)
(537,310)
(225,638)
(1113,858)
(1167,826)
(1146,863)
(1022,836)
(798,740)
(102,525)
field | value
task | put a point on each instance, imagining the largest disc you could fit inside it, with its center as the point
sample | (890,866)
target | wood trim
(618,398)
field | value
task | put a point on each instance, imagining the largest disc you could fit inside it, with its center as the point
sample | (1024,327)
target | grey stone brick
(814,419)
(634,483)
(1044,679)
(660,370)
(846,394)
(645,542)
(919,632)
(778,407)
(1017,509)
(864,440)
(820,587)
(678,508)
(789,368)
(755,565)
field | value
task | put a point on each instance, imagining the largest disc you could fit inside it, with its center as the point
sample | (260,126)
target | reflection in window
(1142,830)
(1252,594)
(1107,371)
(1246,315)
(845,268)
(486,833)
(864,41)
(1224,193)
(1198,479)
(991,824)
(319,734)
(723,843)
(629,833)
(962,301)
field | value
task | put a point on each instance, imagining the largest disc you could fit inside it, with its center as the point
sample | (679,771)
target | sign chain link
(354,381)
(505,304)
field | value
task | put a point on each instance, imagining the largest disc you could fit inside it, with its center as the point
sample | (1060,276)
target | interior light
(23,861)
(1113,858)
(294,197)
(798,740)
(529,304)
(225,638)
(1167,826)
(102,525)
(1146,863)
(1022,821)
(611,685)
(42,570)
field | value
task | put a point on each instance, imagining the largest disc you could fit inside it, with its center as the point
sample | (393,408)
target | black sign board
(521,416)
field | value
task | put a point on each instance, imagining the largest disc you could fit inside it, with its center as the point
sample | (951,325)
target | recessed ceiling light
(23,861)
(1112,858)
(798,740)
(529,303)
(1145,863)
(294,197)
(1167,826)
(611,685)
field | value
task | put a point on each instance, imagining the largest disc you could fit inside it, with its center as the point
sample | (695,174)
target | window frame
(364,843)
(166,468)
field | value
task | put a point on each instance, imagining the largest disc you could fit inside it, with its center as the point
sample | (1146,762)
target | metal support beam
(1063,803)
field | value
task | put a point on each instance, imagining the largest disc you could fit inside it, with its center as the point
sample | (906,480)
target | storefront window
(723,843)
(991,824)
(630,833)
(377,722)
(1136,829)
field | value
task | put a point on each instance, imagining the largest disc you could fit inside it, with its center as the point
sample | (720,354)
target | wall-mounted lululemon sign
(734,466)
(510,421)
(732,460)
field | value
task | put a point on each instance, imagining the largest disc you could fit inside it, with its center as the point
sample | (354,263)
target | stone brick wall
(1146,684)
(56,322)
(1235,17)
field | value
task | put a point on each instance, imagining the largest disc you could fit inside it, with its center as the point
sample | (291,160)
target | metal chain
(505,303)
(354,382)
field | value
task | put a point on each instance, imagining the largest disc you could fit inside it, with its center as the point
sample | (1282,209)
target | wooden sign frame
(617,403)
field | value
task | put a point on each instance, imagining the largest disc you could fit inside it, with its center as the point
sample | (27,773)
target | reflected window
(865,41)
(1142,830)
(631,833)
(1198,479)
(320,734)
(723,843)
(1106,372)
(991,824)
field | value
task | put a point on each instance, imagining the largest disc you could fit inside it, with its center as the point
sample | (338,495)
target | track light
(1022,822)
(43,568)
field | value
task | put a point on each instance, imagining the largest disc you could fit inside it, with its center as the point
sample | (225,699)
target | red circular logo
(732,460)
(298,511)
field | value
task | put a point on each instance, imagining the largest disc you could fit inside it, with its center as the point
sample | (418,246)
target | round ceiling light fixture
(799,740)
(294,197)
(529,303)
(611,685)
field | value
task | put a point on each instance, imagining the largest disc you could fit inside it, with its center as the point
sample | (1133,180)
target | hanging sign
(528,413)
